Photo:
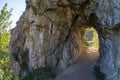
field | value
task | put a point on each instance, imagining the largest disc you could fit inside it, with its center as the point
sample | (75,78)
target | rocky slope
(50,32)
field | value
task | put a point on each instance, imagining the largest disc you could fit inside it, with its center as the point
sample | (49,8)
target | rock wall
(50,32)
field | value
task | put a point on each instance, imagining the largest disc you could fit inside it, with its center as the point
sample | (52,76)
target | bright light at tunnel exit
(91,38)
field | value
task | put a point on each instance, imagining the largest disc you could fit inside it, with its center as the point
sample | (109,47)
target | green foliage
(27,5)
(4,40)
(5,72)
(95,40)
(5,17)
(43,73)
(98,74)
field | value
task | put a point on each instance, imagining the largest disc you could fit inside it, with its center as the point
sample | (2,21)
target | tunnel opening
(90,39)
(90,54)
(90,45)
(85,52)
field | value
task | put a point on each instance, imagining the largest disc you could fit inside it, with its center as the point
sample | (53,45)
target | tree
(5,72)
(5,17)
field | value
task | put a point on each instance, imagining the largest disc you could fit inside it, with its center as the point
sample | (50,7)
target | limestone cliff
(50,32)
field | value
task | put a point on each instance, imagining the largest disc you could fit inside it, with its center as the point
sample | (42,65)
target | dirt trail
(83,69)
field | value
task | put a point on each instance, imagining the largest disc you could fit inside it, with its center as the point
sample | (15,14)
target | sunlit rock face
(50,32)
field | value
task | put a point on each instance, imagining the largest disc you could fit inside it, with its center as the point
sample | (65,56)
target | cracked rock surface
(50,32)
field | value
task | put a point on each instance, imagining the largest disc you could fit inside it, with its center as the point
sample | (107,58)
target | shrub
(98,74)
(27,5)
(15,56)
(43,73)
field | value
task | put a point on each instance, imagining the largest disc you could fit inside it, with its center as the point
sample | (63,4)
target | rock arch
(63,47)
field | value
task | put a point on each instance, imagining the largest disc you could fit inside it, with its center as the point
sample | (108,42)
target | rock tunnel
(50,32)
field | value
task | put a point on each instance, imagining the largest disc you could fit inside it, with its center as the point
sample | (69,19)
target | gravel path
(83,69)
